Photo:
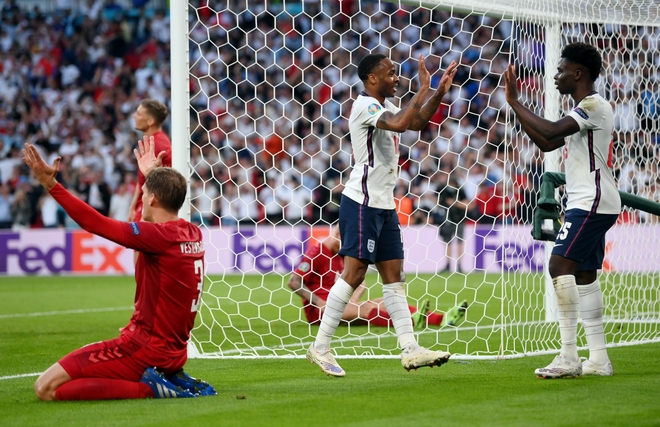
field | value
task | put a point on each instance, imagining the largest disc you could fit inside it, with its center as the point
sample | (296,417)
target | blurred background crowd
(271,89)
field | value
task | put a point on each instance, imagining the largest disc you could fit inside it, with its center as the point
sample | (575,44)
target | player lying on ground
(147,359)
(592,207)
(317,272)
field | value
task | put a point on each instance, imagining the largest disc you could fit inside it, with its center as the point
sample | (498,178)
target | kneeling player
(147,359)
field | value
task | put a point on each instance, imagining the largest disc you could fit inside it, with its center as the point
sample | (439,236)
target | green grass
(259,314)
(43,318)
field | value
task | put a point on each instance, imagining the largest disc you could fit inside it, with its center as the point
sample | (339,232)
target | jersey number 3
(199,272)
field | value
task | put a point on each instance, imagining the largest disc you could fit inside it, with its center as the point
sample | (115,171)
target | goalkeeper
(316,273)
(157,334)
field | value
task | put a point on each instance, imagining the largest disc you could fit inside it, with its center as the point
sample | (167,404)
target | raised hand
(44,173)
(424,76)
(510,84)
(146,155)
(447,79)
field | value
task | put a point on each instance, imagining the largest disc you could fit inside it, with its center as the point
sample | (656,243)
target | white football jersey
(590,183)
(375,155)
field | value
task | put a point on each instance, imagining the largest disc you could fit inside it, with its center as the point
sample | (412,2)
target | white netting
(271,90)
(630,276)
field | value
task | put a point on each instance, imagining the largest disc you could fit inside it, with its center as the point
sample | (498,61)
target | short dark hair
(585,55)
(155,109)
(368,63)
(169,187)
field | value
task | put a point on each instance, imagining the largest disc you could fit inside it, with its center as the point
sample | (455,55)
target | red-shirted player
(156,338)
(316,274)
(149,117)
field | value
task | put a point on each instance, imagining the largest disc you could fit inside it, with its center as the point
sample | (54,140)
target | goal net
(270,86)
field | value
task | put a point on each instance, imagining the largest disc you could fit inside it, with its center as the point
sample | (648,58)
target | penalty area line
(61,312)
(12,377)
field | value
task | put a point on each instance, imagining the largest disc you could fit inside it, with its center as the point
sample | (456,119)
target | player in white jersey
(593,204)
(369,225)
(373,178)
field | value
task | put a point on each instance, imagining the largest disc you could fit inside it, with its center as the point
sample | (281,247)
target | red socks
(102,389)
(379,317)
(435,319)
(382,318)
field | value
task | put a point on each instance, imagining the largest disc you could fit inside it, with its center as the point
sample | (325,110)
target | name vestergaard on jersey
(192,247)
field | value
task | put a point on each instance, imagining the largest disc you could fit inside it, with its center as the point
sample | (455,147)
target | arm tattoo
(426,112)
(382,120)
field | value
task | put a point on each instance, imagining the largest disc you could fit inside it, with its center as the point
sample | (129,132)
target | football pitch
(43,318)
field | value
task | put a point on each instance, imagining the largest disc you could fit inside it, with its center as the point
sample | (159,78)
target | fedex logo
(490,250)
(59,251)
(252,252)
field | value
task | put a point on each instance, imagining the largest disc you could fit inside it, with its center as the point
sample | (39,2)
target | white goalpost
(261,93)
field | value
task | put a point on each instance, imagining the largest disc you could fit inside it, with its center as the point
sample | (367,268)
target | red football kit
(319,269)
(169,276)
(161,143)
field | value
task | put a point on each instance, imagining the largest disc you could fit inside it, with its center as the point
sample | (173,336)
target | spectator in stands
(649,106)
(454,202)
(403,203)
(61,52)
(425,209)
(203,197)
(247,204)
(98,61)
(651,191)
(6,202)
(298,199)
(228,205)
(272,206)
(10,8)
(95,191)
(21,209)
(48,208)
(120,202)
(526,202)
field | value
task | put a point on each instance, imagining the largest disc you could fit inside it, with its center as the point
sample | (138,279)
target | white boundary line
(11,377)
(232,354)
(249,353)
(55,313)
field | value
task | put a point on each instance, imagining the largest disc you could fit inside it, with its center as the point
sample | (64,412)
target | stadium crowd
(271,91)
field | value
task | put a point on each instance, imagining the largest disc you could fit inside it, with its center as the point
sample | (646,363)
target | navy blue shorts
(582,238)
(370,234)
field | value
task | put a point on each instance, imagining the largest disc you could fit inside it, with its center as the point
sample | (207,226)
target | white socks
(394,296)
(589,300)
(591,309)
(338,298)
(567,303)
